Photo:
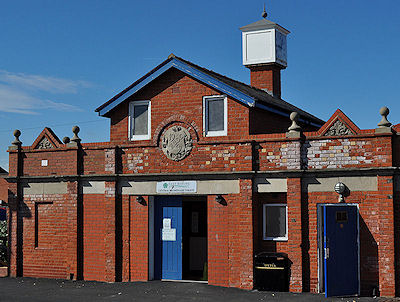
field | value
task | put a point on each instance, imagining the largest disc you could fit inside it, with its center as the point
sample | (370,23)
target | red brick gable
(49,135)
(180,97)
(342,118)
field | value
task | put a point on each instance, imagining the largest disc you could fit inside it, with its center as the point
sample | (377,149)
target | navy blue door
(341,250)
(168,237)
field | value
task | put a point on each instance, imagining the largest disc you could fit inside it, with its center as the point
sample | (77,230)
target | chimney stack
(265,54)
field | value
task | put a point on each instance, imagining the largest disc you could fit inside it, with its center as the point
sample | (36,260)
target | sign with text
(185,186)
(168,235)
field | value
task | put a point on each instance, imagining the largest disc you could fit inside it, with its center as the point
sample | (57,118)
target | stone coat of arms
(176,143)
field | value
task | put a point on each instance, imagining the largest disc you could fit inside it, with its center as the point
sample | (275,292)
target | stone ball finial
(384,111)
(294,117)
(75,138)
(17,133)
(16,141)
(66,140)
(76,130)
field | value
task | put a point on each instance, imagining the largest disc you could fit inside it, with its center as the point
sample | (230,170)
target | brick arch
(176,118)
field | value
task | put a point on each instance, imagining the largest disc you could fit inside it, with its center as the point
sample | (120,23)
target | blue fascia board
(191,71)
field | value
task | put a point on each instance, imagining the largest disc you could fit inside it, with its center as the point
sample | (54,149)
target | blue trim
(197,74)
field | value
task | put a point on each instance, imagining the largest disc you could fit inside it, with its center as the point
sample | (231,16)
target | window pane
(276,221)
(140,119)
(215,115)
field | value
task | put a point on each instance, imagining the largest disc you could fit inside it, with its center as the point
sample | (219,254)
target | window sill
(275,239)
(140,138)
(213,134)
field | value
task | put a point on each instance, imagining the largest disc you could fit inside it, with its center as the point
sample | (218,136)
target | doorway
(180,238)
(338,249)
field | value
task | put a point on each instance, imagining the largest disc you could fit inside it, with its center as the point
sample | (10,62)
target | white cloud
(17,92)
(42,83)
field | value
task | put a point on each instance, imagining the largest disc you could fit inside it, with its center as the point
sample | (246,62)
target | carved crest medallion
(176,143)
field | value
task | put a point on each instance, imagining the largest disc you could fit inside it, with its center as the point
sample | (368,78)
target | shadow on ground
(32,289)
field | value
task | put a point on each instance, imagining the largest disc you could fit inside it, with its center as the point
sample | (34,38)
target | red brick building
(202,173)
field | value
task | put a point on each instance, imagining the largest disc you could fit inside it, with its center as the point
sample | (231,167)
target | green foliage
(3,243)
(3,228)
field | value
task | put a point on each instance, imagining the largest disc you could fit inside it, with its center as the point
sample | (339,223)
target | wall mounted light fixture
(340,188)
(220,199)
(141,200)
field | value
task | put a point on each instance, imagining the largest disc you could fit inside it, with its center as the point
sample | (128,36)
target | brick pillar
(218,252)
(139,239)
(12,228)
(241,236)
(386,236)
(109,236)
(15,233)
(71,220)
(295,233)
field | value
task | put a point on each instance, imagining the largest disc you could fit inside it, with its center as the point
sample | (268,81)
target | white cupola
(264,42)
(265,54)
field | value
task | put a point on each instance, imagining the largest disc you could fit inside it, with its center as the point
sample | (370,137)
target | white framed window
(139,120)
(215,115)
(275,224)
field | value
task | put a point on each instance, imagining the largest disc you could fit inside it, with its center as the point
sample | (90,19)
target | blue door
(168,237)
(341,253)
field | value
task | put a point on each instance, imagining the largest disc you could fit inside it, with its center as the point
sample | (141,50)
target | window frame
(131,136)
(207,132)
(265,237)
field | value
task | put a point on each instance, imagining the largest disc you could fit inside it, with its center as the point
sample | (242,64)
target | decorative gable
(46,140)
(339,125)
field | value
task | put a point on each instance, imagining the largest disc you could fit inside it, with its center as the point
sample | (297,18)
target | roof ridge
(222,75)
(251,93)
(266,94)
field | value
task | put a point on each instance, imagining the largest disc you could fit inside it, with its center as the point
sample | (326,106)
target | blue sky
(62,59)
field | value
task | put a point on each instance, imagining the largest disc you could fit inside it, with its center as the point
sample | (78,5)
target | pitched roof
(248,95)
(263,24)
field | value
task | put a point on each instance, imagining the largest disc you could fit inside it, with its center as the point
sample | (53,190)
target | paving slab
(33,289)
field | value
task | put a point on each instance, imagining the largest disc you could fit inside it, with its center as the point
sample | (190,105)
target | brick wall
(344,153)
(221,157)
(49,236)
(139,239)
(94,248)
(218,242)
(60,162)
(3,189)
(230,239)
(396,238)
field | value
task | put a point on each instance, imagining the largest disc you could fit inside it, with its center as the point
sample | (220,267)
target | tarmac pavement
(33,289)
